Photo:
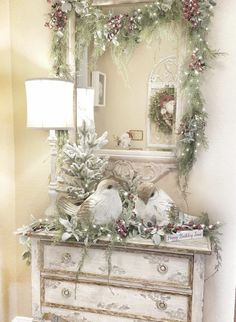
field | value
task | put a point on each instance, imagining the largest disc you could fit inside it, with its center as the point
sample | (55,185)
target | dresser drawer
(145,268)
(116,301)
(83,316)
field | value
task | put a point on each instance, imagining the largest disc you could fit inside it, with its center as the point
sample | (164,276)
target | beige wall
(30,59)
(213,182)
(7,183)
(27,193)
(23,187)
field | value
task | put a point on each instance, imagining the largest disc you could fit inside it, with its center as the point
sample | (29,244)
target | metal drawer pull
(66,293)
(66,258)
(162,268)
(161,305)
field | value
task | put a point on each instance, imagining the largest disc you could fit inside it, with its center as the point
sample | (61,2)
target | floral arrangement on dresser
(94,204)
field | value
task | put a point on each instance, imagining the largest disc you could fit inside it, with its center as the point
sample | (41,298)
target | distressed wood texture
(36,286)
(164,269)
(147,283)
(198,285)
(125,164)
(118,301)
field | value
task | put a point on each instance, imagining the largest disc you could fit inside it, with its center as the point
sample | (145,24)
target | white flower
(66,7)
(163,111)
(125,140)
(170,106)
(59,34)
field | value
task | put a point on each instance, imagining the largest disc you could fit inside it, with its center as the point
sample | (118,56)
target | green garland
(63,228)
(191,138)
(122,32)
(158,114)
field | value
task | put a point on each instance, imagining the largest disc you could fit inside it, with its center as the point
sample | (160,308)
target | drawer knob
(161,305)
(66,293)
(66,258)
(162,268)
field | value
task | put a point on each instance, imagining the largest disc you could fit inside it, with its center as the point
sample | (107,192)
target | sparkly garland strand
(118,233)
(122,32)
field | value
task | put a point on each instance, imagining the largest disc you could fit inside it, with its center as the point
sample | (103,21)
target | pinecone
(191,11)
(115,24)
(58,18)
(197,63)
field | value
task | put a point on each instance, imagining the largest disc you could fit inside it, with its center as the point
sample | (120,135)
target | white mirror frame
(151,166)
(158,80)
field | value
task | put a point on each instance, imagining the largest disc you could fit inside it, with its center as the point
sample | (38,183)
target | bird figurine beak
(145,191)
(145,199)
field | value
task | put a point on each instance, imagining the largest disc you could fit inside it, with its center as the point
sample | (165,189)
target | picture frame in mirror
(99,85)
(161,120)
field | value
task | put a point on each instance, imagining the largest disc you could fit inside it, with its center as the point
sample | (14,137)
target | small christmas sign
(184,235)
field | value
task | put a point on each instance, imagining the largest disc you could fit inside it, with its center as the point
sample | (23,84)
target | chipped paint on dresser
(146,284)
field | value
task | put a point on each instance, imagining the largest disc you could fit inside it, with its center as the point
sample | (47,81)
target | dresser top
(200,246)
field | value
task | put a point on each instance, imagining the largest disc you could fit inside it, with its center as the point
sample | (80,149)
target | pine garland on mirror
(122,32)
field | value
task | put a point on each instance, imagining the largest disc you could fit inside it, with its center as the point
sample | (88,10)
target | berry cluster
(191,11)
(115,24)
(119,22)
(197,64)
(58,18)
(121,228)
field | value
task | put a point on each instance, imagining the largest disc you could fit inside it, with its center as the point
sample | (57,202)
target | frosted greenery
(81,167)
(63,228)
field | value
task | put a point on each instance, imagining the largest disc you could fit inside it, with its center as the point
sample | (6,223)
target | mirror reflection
(138,103)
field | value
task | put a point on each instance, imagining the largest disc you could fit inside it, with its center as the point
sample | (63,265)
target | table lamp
(50,106)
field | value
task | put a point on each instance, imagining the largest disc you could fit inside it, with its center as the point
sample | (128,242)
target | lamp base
(52,209)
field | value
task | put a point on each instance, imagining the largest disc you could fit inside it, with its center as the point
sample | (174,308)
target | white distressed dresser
(147,283)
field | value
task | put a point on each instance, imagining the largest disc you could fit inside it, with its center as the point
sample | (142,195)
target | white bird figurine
(152,204)
(102,207)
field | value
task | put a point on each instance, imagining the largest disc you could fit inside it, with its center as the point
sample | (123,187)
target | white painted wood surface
(119,301)
(164,269)
(198,285)
(74,316)
(36,285)
(138,291)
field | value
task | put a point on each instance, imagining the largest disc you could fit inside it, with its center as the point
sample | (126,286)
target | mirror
(90,26)
(126,92)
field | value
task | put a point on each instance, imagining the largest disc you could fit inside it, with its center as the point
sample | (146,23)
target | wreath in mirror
(162,109)
(122,32)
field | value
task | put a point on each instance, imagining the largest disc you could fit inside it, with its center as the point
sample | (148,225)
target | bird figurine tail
(68,207)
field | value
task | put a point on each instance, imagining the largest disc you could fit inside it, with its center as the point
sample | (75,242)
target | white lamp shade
(50,104)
